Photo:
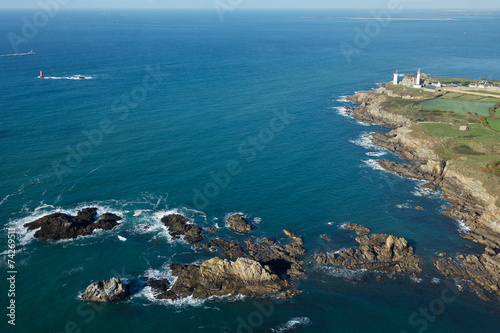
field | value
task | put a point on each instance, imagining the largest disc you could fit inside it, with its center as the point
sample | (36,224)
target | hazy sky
(441,4)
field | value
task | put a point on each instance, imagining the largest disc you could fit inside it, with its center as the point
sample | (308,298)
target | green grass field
(481,108)
(486,92)
(494,123)
(447,131)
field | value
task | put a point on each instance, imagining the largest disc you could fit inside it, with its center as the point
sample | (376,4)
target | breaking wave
(292,323)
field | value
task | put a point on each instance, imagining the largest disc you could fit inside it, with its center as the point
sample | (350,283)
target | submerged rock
(106,291)
(59,226)
(179,226)
(376,252)
(360,230)
(220,277)
(238,223)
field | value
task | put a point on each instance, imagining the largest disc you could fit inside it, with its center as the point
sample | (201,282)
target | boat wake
(74,77)
(16,54)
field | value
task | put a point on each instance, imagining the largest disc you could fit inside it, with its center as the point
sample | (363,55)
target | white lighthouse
(418,82)
(396,78)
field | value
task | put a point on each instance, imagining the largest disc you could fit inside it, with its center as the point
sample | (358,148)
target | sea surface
(171,100)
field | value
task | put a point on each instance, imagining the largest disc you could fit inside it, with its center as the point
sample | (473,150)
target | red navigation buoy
(41,74)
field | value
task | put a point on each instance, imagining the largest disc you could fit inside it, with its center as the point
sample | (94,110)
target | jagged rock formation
(59,226)
(375,252)
(482,271)
(179,226)
(220,277)
(360,230)
(238,223)
(106,291)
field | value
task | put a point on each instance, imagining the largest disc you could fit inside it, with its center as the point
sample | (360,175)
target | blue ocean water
(175,101)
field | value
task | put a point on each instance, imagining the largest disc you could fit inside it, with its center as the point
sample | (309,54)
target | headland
(449,130)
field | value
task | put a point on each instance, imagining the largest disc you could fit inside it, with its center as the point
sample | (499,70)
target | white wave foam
(342,110)
(292,323)
(374,164)
(435,280)
(462,227)
(140,211)
(376,153)
(404,206)
(74,77)
(362,123)
(347,274)
(416,279)
(257,220)
(365,141)
(123,239)
(343,99)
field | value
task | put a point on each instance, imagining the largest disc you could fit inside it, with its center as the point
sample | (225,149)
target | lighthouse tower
(396,78)
(419,81)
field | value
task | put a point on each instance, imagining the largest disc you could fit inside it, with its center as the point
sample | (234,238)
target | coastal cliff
(471,203)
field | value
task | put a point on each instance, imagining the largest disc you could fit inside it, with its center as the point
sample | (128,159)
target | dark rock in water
(289,233)
(419,208)
(483,270)
(106,291)
(325,237)
(230,249)
(360,230)
(212,231)
(178,226)
(62,226)
(268,241)
(376,252)
(158,286)
(296,248)
(220,277)
(238,223)
(289,293)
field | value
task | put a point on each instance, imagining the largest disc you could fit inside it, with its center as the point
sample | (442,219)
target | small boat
(82,77)
(31,52)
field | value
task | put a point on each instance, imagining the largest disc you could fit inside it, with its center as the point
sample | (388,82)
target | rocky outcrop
(221,277)
(238,223)
(282,260)
(360,230)
(370,109)
(59,226)
(379,252)
(106,291)
(179,226)
(479,272)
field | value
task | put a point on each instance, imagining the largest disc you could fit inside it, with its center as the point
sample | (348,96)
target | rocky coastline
(470,203)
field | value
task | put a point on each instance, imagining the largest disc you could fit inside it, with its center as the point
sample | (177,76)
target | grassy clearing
(473,153)
(494,123)
(486,92)
(480,108)
(464,81)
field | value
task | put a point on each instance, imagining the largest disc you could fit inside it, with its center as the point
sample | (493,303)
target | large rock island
(59,226)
